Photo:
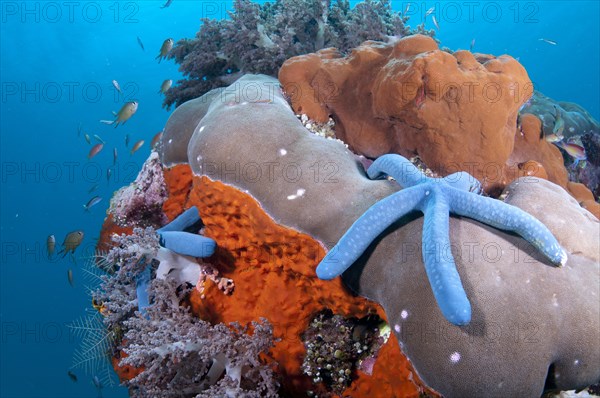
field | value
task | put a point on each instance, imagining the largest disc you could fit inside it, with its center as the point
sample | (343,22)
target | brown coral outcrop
(413,99)
(455,111)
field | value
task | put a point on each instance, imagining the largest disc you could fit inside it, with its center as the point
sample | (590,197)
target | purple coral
(185,356)
(258,38)
(140,203)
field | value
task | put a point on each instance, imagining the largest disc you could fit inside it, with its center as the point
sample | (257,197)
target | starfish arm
(397,167)
(366,229)
(439,263)
(510,218)
(463,181)
(184,220)
(142,282)
(187,244)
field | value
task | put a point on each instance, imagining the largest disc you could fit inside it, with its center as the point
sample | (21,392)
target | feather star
(457,193)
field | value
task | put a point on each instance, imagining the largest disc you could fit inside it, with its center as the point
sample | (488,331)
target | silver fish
(70,277)
(50,244)
(548,41)
(114,156)
(97,138)
(116,85)
(92,202)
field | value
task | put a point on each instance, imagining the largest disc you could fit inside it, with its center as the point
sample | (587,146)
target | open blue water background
(57,63)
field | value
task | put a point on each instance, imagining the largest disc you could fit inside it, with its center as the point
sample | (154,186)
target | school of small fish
(73,240)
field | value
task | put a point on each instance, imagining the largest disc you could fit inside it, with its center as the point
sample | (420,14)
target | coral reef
(140,203)
(519,301)
(258,38)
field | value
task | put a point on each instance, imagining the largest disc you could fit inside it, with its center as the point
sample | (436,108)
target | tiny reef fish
(50,245)
(126,112)
(435,22)
(97,138)
(164,49)
(577,152)
(140,43)
(165,86)
(115,155)
(116,86)
(95,150)
(92,202)
(126,140)
(72,376)
(71,242)
(168,3)
(137,146)
(70,277)
(92,189)
(87,138)
(548,41)
(472,45)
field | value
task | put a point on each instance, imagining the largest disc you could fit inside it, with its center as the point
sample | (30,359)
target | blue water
(57,63)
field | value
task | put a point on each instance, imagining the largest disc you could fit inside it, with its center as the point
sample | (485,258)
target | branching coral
(186,356)
(259,38)
(140,203)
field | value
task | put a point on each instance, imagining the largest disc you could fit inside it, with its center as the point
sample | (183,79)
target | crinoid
(95,351)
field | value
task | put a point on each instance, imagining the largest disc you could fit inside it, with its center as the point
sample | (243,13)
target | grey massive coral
(258,38)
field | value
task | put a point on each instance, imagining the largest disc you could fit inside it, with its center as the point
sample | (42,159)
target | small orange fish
(95,150)
(577,152)
(137,146)
(156,139)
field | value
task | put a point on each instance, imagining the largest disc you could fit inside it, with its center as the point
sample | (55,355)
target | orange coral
(273,268)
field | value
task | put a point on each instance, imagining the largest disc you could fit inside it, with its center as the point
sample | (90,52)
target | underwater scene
(300,198)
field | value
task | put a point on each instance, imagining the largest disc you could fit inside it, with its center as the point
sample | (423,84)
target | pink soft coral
(140,203)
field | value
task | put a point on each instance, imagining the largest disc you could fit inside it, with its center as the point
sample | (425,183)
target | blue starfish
(457,193)
(173,237)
